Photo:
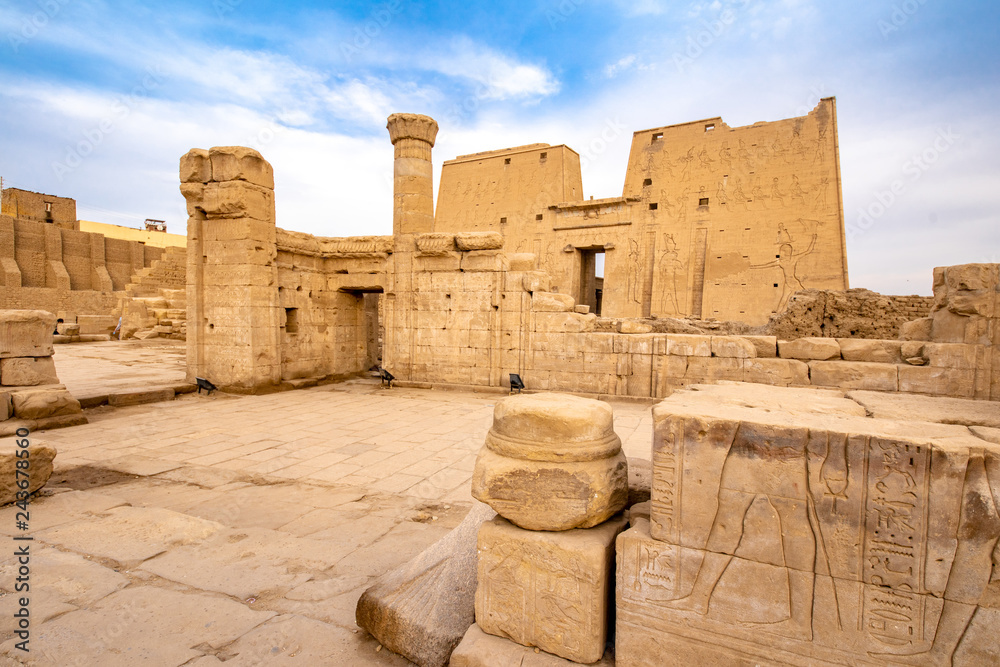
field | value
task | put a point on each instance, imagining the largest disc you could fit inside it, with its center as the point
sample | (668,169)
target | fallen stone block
(547,589)
(819,349)
(733,347)
(42,403)
(38,471)
(423,608)
(479,649)
(26,333)
(552,302)
(28,371)
(879,351)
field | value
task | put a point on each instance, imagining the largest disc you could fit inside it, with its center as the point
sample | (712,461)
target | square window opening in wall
(775,284)
(539,216)
(703,201)
(48,207)
(647,182)
(710,127)
(503,221)
(653,206)
(657,136)
(506,160)
(543,157)
(291,320)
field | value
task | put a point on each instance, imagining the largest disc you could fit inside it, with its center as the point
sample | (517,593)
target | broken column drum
(552,462)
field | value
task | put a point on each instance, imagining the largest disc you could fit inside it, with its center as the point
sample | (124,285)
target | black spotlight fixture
(205,384)
(386,376)
(516,383)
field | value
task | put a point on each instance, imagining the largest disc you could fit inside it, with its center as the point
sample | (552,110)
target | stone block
(28,371)
(536,281)
(713,369)
(916,330)
(583,310)
(778,372)
(937,380)
(733,347)
(809,349)
(42,403)
(423,608)
(854,375)
(26,333)
(479,241)
(435,243)
(237,199)
(195,166)
(910,349)
(521,261)
(565,322)
(879,351)
(238,163)
(766,346)
(552,462)
(545,589)
(786,532)
(40,457)
(479,649)
(121,399)
(634,327)
(483,261)
(552,302)
(951,355)
(689,345)
(6,406)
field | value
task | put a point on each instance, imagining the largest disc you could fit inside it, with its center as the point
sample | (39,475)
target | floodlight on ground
(516,383)
(205,384)
(386,376)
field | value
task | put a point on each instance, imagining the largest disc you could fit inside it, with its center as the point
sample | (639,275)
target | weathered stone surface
(640,480)
(689,345)
(766,346)
(479,649)
(778,372)
(6,406)
(195,166)
(479,240)
(422,609)
(552,462)
(820,349)
(521,261)
(552,302)
(940,409)
(565,322)
(854,375)
(880,351)
(40,457)
(987,433)
(28,371)
(916,330)
(41,403)
(546,589)
(937,381)
(26,333)
(783,533)
(536,281)
(634,327)
(234,163)
(583,310)
(733,347)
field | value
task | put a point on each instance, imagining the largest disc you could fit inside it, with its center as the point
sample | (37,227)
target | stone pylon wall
(233,309)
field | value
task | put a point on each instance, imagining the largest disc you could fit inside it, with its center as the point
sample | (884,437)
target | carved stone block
(545,589)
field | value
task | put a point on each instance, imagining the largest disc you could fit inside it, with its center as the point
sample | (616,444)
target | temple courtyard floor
(236,529)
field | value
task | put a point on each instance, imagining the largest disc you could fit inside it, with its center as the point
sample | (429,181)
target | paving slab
(938,409)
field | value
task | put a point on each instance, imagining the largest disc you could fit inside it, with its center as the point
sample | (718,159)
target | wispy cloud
(499,76)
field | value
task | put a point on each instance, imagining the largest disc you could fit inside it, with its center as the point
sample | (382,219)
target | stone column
(233,317)
(413,137)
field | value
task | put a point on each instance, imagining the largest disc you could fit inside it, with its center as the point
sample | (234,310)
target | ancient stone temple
(713,221)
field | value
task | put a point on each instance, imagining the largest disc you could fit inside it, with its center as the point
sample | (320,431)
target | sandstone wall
(713,221)
(39,207)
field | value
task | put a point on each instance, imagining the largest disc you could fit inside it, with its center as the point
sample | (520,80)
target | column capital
(412,126)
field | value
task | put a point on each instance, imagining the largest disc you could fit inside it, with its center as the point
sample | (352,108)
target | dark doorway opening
(591,278)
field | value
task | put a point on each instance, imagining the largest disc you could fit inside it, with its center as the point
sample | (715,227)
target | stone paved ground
(89,369)
(242,529)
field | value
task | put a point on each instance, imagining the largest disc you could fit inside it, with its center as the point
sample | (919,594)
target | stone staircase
(155,302)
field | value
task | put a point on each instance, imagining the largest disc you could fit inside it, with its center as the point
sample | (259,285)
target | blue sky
(99,99)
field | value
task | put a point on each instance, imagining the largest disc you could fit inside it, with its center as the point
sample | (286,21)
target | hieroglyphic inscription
(894,544)
(667,468)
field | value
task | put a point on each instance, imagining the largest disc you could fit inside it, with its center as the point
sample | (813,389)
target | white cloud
(619,66)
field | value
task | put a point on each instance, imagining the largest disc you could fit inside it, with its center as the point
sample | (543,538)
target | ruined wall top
(412,126)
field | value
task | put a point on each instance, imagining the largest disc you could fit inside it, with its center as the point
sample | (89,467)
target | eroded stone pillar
(232,281)
(413,137)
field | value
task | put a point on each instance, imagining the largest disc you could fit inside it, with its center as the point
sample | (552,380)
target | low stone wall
(854,313)
(30,394)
